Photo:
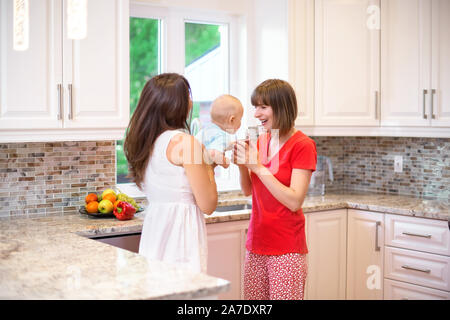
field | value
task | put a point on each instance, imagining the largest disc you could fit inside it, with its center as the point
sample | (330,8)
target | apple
(105,206)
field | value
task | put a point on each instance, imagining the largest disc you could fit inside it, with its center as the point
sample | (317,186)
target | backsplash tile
(367,164)
(53,177)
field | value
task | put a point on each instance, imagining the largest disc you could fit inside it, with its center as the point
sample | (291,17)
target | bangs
(260,96)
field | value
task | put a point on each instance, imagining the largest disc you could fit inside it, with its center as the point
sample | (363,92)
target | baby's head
(226,112)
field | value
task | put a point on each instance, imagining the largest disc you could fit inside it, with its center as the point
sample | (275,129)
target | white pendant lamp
(76,19)
(21,25)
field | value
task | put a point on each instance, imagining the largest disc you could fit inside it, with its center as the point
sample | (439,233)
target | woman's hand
(245,154)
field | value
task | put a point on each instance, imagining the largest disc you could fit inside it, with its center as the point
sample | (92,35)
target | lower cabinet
(417,258)
(226,255)
(326,234)
(397,290)
(353,254)
(365,249)
(345,259)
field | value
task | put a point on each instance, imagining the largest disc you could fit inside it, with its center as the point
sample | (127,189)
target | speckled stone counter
(402,205)
(53,257)
(48,258)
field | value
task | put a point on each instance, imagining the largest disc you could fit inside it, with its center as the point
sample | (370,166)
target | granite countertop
(402,205)
(53,258)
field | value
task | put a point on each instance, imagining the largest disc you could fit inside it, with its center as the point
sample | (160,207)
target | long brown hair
(163,105)
(280,95)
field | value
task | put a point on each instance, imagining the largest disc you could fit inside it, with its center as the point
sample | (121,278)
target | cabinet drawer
(425,269)
(418,234)
(396,290)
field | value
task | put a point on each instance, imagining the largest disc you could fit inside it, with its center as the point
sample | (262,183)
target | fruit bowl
(102,215)
(96,214)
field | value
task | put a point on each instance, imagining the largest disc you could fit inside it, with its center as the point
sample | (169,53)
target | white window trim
(172,21)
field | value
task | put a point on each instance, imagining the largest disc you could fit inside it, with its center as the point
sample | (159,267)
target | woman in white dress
(172,168)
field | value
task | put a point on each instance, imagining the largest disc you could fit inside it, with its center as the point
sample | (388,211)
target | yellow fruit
(105,206)
(108,191)
(92,207)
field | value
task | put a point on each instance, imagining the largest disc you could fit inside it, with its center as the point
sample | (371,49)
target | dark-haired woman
(276,172)
(170,166)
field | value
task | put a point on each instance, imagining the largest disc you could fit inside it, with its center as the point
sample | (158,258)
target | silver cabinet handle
(424,103)
(416,269)
(433,91)
(417,235)
(69,86)
(60,102)
(377,247)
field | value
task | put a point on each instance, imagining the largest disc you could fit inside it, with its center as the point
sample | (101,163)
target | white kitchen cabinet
(226,255)
(347,60)
(326,237)
(440,63)
(415,79)
(397,290)
(301,58)
(65,84)
(417,258)
(365,249)
(28,85)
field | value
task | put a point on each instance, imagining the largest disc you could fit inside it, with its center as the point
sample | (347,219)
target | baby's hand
(218,158)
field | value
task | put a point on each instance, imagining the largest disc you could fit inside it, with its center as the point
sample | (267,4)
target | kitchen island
(53,257)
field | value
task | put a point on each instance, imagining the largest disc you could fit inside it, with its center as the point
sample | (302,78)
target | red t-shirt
(274,229)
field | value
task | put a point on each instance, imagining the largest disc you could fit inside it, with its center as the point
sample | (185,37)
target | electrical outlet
(398,164)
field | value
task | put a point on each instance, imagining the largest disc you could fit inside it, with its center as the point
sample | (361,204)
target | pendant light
(21,25)
(76,19)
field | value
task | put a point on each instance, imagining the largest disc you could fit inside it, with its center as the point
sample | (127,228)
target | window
(156,36)
(145,44)
(206,67)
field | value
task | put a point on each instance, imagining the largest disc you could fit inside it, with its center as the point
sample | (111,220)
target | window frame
(172,41)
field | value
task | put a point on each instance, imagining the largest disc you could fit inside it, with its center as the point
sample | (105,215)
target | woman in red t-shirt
(276,172)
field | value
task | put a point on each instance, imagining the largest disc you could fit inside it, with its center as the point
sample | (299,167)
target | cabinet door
(440,63)
(365,245)
(326,235)
(301,58)
(405,62)
(97,68)
(226,254)
(29,79)
(346,63)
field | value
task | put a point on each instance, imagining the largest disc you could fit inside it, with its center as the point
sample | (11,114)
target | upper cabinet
(415,64)
(381,67)
(301,58)
(58,85)
(347,62)
(440,63)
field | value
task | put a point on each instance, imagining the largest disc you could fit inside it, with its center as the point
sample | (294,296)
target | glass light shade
(21,25)
(77,19)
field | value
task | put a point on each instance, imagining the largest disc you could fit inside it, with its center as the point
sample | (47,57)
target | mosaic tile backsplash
(367,164)
(54,178)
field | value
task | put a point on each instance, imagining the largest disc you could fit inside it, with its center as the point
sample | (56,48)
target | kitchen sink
(234,207)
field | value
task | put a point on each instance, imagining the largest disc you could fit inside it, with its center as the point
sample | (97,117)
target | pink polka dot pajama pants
(280,277)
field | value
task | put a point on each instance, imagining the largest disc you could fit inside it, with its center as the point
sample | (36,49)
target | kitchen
(372,80)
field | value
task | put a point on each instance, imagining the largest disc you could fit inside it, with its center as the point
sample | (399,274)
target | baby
(226,114)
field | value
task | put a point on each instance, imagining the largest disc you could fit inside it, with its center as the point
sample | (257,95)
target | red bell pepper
(124,211)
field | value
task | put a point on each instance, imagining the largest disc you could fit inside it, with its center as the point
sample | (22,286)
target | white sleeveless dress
(174,228)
